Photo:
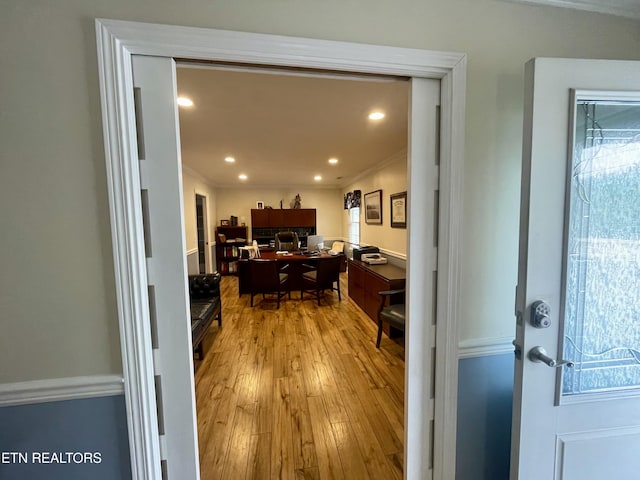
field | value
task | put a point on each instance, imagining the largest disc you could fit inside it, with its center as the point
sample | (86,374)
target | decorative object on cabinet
(373,207)
(260,205)
(399,210)
(297,202)
(224,223)
(228,252)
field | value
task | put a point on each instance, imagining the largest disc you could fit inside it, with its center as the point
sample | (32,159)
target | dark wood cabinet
(260,218)
(300,217)
(228,241)
(365,281)
(265,223)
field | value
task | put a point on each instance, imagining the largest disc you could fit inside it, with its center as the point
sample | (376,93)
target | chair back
(264,276)
(328,271)
(287,241)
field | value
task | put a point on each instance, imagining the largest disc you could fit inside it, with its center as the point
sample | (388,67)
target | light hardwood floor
(298,393)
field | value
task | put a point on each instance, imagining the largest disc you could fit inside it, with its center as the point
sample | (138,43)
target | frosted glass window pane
(602,290)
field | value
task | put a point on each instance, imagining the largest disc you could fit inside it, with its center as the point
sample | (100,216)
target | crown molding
(619,8)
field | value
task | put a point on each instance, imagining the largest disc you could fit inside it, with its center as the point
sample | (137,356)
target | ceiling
(282,127)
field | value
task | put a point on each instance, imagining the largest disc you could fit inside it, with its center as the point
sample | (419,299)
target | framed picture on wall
(399,210)
(373,207)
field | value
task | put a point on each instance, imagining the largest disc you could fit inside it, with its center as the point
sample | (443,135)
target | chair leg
(339,296)
(318,296)
(379,334)
(252,299)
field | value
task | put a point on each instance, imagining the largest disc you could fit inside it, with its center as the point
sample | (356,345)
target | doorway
(426,427)
(202,230)
(287,381)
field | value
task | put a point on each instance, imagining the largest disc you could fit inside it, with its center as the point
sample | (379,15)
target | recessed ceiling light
(333,161)
(185,102)
(229,159)
(242,176)
(317,178)
(376,116)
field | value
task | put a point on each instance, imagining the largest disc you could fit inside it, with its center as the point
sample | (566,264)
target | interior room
(79,349)
(263,144)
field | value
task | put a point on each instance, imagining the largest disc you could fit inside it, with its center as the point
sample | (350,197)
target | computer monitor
(315,243)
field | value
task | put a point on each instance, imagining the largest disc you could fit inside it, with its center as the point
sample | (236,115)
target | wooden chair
(266,277)
(321,277)
(391,314)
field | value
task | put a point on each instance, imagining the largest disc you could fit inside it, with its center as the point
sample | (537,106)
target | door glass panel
(602,271)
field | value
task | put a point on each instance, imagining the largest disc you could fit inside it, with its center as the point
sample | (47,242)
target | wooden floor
(298,393)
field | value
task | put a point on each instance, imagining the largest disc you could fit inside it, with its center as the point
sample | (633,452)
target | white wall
(57,301)
(240,201)
(391,178)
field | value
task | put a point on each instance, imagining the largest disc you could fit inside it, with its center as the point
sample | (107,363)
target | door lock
(539,354)
(540,314)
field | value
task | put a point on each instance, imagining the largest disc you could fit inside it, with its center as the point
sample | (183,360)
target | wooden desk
(365,281)
(294,271)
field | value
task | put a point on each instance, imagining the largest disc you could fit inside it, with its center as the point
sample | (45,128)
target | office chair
(266,277)
(321,277)
(392,314)
(287,241)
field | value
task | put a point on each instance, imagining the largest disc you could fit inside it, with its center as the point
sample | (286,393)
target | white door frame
(117,41)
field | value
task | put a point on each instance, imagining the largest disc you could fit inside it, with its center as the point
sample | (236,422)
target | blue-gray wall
(485,389)
(86,425)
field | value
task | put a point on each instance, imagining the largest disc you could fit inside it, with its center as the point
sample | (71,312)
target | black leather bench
(204,297)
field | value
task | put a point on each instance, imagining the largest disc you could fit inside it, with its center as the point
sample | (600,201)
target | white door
(580,257)
(154,80)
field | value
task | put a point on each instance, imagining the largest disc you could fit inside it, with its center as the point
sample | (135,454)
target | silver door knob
(539,354)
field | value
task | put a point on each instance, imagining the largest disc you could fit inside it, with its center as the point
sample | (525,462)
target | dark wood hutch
(265,223)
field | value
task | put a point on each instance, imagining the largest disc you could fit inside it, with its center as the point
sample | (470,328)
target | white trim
(123,179)
(608,7)
(117,42)
(197,175)
(399,155)
(192,251)
(58,389)
(397,255)
(482,347)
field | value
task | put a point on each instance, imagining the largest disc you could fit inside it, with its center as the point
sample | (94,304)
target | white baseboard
(58,389)
(480,347)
